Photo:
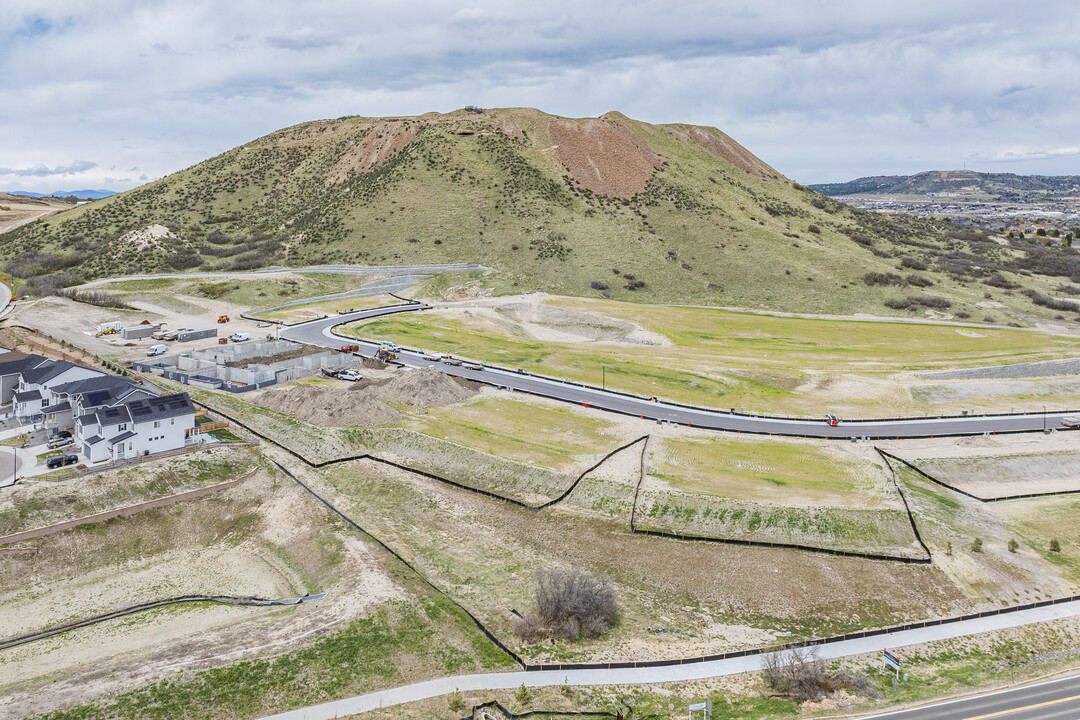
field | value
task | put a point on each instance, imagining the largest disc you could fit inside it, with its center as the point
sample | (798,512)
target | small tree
(570,603)
(976,545)
(1055,546)
(455,701)
(522,694)
(1013,545)
(948,548)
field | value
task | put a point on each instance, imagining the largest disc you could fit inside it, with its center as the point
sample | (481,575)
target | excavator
(385,354)
(107,331)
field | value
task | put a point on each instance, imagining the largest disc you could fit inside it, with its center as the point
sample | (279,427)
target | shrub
(96,297)
(1052,303)
(976,545)
(876,278)
(455,701)
(919,281)
(802,675)
(569,604)
(1013,545)
(997,280)
(598,285)
(912,264)
(1055,546)
(814,229)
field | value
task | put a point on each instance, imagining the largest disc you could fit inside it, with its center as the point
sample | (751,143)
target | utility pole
(603,382)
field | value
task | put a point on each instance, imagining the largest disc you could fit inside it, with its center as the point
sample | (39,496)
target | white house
(140,427)
(33,398)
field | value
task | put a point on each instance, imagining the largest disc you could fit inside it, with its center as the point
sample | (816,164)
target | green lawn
(728,359)
(764,470)
(551,437)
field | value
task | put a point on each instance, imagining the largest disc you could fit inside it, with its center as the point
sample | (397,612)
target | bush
(997,280)
(455,701)
(876,278)
(1055,546)
(1013,545)
(976,545)
(802,675)
(1052,303)
(919,281)
(912,264)
(814,229)
(96,297)
(569,604)
(598,285)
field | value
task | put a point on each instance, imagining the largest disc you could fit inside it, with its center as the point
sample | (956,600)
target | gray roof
(53,409)
(113,415)
(161,408)
(122,437)
(46,371)
(21,363)
(94,440)
(114,384)
(28,395)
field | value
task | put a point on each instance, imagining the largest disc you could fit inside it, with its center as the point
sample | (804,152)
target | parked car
(60,461)
(60,439)
(350,375)
(240,337)
(156,350)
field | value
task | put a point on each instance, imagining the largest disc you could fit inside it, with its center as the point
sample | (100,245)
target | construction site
(247,366)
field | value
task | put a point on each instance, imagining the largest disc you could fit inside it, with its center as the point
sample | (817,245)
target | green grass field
(551,437)
(725,359)
(769,471)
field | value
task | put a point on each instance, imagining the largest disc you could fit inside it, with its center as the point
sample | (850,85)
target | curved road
(320,332)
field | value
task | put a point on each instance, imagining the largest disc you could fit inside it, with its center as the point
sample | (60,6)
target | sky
(114,94)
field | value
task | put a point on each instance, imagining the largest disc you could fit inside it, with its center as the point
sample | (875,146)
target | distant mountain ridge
(999,186)
(82,194)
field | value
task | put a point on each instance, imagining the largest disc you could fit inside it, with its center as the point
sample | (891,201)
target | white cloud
(820,91)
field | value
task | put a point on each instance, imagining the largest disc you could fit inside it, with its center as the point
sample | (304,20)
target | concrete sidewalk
(671,673)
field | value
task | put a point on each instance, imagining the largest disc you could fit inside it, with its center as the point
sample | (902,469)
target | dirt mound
(423,388)
(364,403)
(380,143)
(605,158)
(326,405)
(724,147)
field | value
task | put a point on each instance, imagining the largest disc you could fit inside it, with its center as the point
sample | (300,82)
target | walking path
(671,673)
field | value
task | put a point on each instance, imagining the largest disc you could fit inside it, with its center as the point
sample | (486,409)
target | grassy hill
(996,186)
(598,207)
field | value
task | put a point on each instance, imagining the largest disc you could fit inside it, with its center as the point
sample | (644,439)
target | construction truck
(223,318)
(385,354)
(350,348)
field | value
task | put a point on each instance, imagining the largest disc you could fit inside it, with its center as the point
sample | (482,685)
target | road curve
(676,673)
(321,333)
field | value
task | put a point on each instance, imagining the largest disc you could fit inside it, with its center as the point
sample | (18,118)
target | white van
(240,337)
(156,350)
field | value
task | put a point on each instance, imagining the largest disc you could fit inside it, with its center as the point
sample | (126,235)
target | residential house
(139,427)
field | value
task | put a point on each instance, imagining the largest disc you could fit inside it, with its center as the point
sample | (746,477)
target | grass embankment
(413,635)
(773,491)
(725,359)
(553,437)
(26,507)
(300,313)
(1038,522)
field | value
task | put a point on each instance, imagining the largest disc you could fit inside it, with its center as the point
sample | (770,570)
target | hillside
(992,186)
(595,207)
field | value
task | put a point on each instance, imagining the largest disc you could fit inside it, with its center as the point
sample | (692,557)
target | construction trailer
(138,332)
(189,335)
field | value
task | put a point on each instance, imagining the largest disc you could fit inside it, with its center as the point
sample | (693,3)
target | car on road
(60,461)
(392,347)
(832,419)
(60,439)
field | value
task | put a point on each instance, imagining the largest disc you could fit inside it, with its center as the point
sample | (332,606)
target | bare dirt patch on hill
(367,152)
(605,158)
(724,147)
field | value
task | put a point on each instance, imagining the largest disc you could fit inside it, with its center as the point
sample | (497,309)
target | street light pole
(603,382)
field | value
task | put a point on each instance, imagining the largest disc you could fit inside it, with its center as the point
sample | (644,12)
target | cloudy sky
(112,94)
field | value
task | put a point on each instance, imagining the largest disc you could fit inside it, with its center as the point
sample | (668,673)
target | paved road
(320,332)
(678,673)
(1054,700)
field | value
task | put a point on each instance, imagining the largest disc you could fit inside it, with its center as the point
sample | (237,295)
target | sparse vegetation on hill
(685,214)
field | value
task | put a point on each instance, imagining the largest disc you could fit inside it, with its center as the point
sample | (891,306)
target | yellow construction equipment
(107,331)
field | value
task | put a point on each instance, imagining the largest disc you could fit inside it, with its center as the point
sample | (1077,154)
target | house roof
(26,395)
(94,440)
(14,363)
(46,371)
(113,415)
(122,437)
(161,408)
(114,384)
(53,409)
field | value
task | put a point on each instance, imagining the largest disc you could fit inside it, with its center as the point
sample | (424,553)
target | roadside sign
(891,660)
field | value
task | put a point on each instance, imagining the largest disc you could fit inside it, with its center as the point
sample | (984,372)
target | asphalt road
(1053,700)
(320,332)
